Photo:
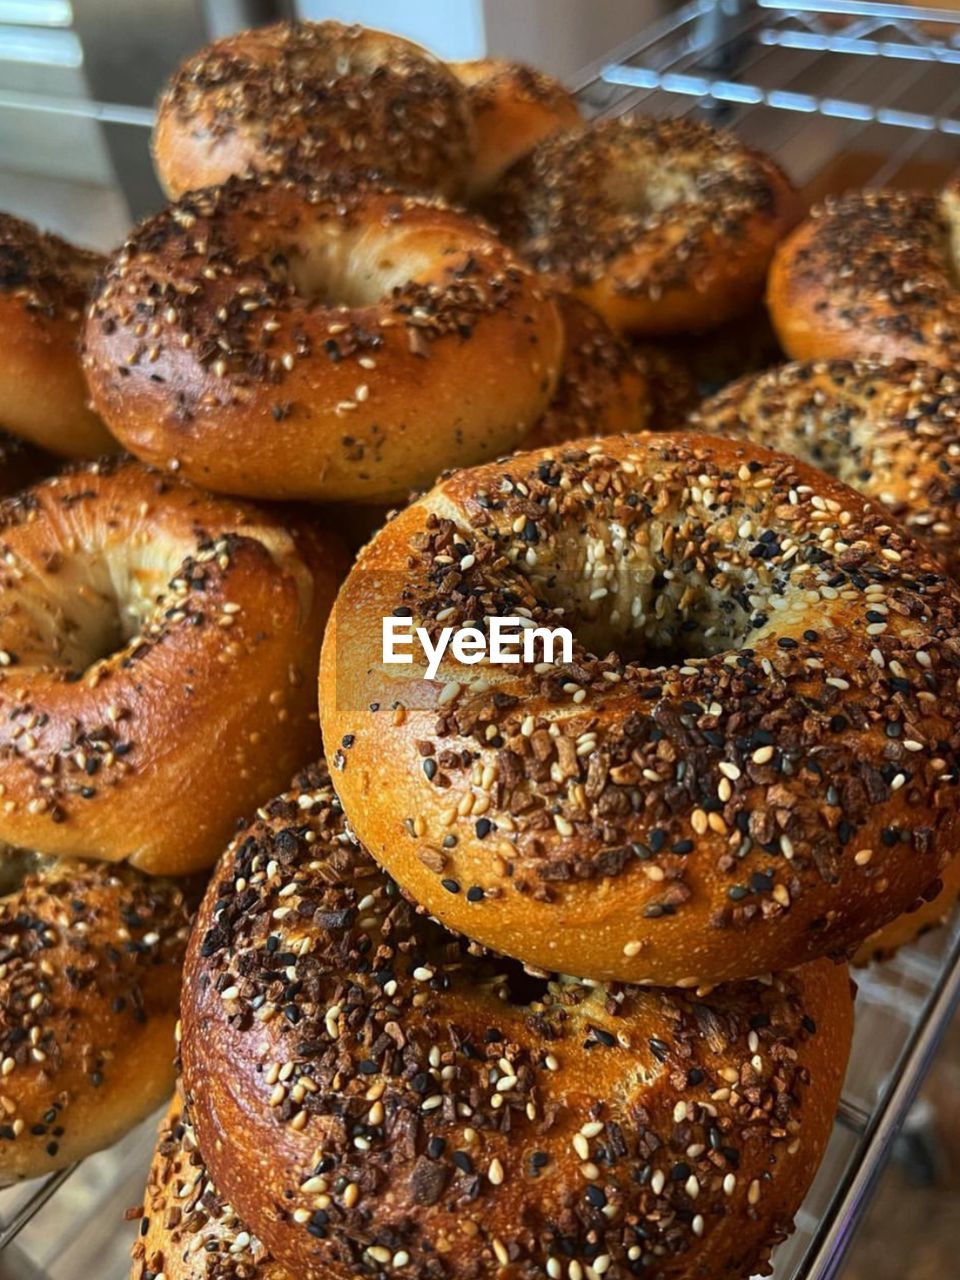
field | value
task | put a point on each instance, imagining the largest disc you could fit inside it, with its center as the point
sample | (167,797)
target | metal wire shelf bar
(11,1229)
(78,108)
(813,42)
(698,86)
(829,1246)
(866,9)
(691,62)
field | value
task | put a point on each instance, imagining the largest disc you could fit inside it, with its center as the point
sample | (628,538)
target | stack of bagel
(498,970)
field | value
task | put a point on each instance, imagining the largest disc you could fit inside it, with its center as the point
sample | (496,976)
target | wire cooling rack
(843,94)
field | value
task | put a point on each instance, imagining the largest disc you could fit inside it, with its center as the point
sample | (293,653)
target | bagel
(43,287)
(372,1094)
(187,1231)
(663,226)
(889,429)
(925,914)
(156,651)
(338,341)
(760,770)
(513,107)
(309,96)
(89,988)
(871,273)
(604,386)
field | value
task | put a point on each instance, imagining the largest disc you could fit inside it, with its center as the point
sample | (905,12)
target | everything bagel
(925,914)
(888,428)
(372,1094)
(871,273)
(289,339)
(89,985)
(308,96)
(43,288)
(758,769)
(157,647)
(605,386)
(188,1231)
(663,226)
(513,107)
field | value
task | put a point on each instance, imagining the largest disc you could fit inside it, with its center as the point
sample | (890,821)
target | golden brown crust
(310,96)
(157,651)
(43,288)
(373,1093)
(889,429)
(188,1231)
(775,779)
(90,964)
(217,339)
(663,226)
(604,385)
(871,273)
(514,107)
(925,914)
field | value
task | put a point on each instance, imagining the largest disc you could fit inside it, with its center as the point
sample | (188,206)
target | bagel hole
(522,987)
(95,601)
(341,268)
(644,191)
(334,264)
(664,608)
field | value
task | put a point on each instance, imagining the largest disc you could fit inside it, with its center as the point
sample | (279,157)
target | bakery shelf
(843,94)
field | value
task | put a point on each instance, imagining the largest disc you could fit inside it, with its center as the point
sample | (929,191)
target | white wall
(562,36)
(451,28)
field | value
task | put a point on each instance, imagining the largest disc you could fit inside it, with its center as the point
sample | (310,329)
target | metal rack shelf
(843,94)
(877,84)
